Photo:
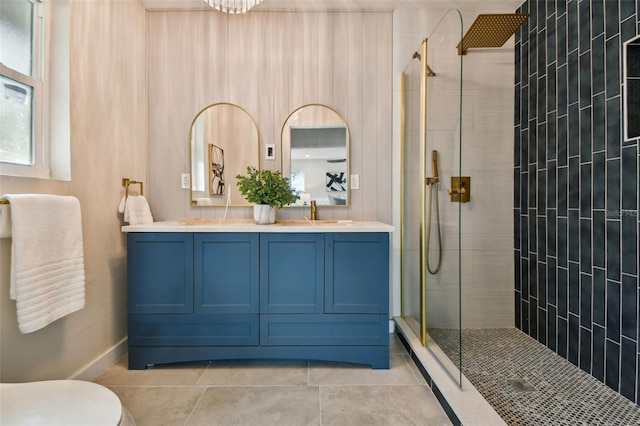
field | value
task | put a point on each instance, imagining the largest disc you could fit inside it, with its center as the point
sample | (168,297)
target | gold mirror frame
(223,141)
(319,118)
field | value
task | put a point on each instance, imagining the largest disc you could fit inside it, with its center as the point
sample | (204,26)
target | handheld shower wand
(434,163)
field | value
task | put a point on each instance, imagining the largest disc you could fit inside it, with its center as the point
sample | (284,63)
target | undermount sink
(213,221)
(284,222)
(306,222)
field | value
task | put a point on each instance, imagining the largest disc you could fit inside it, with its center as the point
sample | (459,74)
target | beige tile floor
(277,393)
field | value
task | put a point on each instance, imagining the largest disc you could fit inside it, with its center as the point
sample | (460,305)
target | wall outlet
(355,181)
(185,181)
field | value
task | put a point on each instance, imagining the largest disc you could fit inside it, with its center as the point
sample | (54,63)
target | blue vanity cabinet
(161,266)
(258,295)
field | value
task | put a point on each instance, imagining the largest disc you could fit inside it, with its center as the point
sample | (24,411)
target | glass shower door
(411,230)
(431,267)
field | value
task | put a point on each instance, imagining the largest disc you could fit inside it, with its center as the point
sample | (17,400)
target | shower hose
(433,187)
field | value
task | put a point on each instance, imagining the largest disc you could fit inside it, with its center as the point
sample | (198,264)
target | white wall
(271,63)
(487,156)
(108,142)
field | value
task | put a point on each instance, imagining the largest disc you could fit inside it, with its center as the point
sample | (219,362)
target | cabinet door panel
(160,273)
(357,266)
(291,273)
(226,273)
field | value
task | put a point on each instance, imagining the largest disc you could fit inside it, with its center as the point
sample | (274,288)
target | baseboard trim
(93,369)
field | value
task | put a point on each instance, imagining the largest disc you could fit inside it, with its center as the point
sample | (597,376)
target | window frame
(37,81)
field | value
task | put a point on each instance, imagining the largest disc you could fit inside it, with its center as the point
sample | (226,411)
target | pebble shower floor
(528,384)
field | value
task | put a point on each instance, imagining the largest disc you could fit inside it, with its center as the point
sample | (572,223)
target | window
(34,113)
(21,84)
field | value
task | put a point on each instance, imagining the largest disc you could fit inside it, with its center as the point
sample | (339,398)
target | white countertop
(247,225)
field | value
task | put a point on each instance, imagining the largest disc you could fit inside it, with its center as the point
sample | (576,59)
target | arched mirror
(224,141)
(315,155)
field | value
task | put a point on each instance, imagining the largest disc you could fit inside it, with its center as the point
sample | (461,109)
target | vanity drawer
(323,329)
(193,330)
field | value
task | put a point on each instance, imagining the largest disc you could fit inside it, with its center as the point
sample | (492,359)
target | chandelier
(232,6)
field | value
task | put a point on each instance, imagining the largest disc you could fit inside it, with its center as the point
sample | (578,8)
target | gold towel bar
(126,182)
(4,201)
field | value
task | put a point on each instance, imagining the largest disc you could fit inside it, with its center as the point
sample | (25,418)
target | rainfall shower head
(491,30)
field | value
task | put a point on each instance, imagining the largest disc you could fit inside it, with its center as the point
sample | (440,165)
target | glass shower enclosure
(431,191)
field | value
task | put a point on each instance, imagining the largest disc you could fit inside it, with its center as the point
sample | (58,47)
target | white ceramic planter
(264,214)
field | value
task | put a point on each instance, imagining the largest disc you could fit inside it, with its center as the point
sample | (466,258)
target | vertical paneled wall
(576,188)
(108,142)
(270,63)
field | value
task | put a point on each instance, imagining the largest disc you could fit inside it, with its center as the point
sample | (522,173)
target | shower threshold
(464,405)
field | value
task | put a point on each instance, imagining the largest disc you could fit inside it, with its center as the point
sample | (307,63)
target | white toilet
(61,402)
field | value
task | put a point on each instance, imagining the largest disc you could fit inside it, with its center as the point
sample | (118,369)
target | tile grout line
(195,406)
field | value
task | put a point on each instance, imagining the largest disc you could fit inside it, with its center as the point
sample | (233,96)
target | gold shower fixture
(430,72)
(491,30)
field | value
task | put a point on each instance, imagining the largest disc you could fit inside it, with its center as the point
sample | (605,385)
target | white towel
(137,211)
(122,204)
(5,221)
(47,258)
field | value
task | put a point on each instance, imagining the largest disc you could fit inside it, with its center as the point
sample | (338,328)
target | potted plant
(268,190)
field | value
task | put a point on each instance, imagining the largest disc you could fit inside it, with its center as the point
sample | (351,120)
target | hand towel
(5,221)
(122,204)
(137,211)
(47,258)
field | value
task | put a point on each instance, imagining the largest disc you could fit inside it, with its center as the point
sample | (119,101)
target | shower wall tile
(613,249)
(599,180)
(613,187)
(614,135)
(599,227)
(551,235)
(612,66)
(574,339)
(551,185)
(585,300)
(629,306)
(629,178)
(598,130)
(628,358)
(552,335)
(585,350)
(627,29)
(613,311)
(576,188)
(629,245)
(597,17)
(585,246)
(612,18)
(563,340)
(597,357)
(612,364)
(599,297)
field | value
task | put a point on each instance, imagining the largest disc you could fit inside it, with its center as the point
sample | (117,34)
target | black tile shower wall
(576,196)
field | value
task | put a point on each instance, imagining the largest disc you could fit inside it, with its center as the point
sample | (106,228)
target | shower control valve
(460,190)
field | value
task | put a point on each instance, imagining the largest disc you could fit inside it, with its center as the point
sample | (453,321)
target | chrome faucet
(314,210)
